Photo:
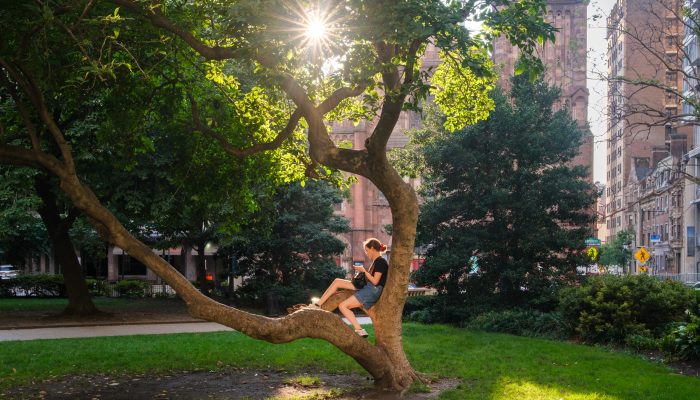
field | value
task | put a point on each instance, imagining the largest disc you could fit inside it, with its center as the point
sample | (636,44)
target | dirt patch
(688,368)
(227,384)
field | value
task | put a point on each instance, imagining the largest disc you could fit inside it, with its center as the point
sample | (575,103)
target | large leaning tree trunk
(79,299)
(389,66)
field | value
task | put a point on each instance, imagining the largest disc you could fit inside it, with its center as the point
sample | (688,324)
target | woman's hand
(359,268)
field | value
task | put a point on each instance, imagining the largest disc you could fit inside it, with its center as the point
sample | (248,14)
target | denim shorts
(368,295)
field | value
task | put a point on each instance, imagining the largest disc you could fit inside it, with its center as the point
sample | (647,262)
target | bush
(132,288)
(42,285)
(287,296)
(97,287)
(440,309)
(610,308)
(683,342)
(520,322)
(417,303)
(641,342)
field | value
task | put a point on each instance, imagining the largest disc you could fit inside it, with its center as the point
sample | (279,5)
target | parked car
(8,272)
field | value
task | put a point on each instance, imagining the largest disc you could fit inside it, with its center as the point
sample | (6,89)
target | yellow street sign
(643,269)
(642,255)
(592,253)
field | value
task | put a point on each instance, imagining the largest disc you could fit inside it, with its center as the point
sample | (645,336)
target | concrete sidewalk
(120,330)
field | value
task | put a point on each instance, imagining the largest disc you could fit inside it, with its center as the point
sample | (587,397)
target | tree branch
(239,153)
(393,105)
(20,156)
(157,18)
(31,128)
(339,95)
(26,82)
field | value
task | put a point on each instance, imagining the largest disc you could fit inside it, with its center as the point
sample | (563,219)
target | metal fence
(111,290)
(691,279)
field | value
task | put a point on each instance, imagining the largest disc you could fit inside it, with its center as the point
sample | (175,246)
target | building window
(690,235)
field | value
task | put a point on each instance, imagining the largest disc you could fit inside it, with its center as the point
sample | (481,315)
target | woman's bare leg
(333,288)
(346,309)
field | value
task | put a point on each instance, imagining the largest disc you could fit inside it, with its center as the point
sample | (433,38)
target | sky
(597,63)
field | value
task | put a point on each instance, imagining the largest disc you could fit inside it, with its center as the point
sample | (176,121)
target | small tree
(618,252)
(298,254)
(506,214)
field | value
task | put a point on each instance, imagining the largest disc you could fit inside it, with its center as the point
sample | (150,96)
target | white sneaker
(362,332)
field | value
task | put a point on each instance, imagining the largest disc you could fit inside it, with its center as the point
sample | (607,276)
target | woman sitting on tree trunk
(365,296)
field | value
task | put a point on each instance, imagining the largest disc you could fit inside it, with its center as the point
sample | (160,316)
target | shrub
(417,303)
(132,288)
(42,285)
(97,287)
(520,322)
(611,308)
(287,296)
(683,342)
(641,342)
(439,309)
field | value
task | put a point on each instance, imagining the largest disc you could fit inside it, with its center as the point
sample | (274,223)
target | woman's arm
(373,279)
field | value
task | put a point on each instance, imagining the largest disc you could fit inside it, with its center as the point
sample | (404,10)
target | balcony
(676,243)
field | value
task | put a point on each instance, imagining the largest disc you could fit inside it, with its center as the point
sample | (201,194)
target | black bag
(359,280)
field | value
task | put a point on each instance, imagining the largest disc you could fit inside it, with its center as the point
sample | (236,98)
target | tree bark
(204,285)
(79,299)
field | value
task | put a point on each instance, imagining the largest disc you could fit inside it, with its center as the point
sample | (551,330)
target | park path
(119,330)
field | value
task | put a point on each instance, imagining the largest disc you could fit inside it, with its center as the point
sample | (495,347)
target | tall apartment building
(565,63)
(690,268)
(643,43)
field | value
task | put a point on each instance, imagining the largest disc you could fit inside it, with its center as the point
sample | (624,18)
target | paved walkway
(119,330)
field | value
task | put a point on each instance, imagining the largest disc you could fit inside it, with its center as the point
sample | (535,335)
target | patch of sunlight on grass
(507,389)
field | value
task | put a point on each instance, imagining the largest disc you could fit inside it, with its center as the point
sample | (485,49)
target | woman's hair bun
(373,243)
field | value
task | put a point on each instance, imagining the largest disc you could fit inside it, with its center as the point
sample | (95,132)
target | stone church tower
(565,63)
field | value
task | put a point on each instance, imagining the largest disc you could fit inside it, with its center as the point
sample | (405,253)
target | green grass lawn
(491,366)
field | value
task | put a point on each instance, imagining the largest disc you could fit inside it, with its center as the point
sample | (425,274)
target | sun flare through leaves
(316,28)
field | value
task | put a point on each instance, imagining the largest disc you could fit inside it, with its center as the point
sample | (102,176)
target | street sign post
(591,241)
(655,238)
(642,255)
(592,253)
